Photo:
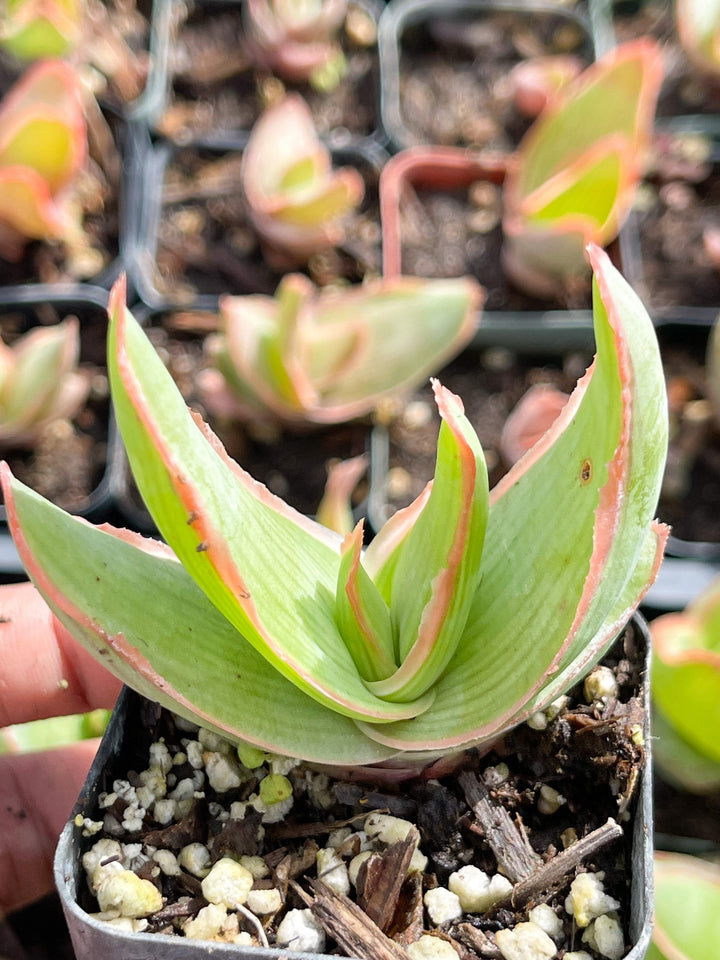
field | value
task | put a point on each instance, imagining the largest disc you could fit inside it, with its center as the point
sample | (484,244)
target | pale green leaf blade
(270,571)
(135,608)
(438,568)
(402,330)
(687,908)
(566,536)
(362,615)
(619,93)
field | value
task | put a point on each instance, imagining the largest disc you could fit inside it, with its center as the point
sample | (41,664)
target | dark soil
(586,752)
(677,204)
(490,383)
(216,89)
(68,460)
(679,814)
(454,86)
(458,233)
(206,245)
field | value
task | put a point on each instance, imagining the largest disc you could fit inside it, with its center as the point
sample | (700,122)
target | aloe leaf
(169,642)
(437,571)
(231,534)
(686,682)
(618,92)
(567,529)
(402,330)
(362,615)
(687,908)
(27,204)
(260,345)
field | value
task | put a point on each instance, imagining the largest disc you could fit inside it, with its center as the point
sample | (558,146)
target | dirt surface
(206,245)
(587,753)
(216,89)
(454,87)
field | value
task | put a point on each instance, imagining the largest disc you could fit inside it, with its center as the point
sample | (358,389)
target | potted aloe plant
(225,67)
(54,405)
(237,213)
(570,181)
(467,614)
(55,206)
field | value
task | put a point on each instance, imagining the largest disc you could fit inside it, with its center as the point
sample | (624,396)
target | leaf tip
(448,403)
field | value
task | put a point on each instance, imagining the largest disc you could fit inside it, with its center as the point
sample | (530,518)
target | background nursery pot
(93,938)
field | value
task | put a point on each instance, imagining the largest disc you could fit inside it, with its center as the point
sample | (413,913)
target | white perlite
(228,883)
(587,898)
(526,941)
(264,902)
(606,937)
(477,891)
(577,955)
(195,858)
(442,905)
(207,924)
(546,918)
(600,685)
(125,892)
(332,870)
(431,948)
(299,930)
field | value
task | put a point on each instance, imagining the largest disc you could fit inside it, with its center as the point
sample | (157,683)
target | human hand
(43,673)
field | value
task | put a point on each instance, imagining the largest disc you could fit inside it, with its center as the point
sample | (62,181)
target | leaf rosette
(468,612)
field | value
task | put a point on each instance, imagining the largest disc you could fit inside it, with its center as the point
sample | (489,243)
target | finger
(44,671)
(38,792)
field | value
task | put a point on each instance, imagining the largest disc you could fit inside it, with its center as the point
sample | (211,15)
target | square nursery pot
(69,466)
(203,82)
(195,239)
(441,210)
(444,65)
(125,744)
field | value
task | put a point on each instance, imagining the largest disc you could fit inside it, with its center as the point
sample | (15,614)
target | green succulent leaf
(466,612)
(218,680)
(686,671)
(572,182)
(687,908)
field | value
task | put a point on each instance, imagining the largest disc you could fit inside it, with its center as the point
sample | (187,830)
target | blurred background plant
(40,382)
(327,355)
(571,181)
(298,39)
(297,202)
(686,693)
(687,908)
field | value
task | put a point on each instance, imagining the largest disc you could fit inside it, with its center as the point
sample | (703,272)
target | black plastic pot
(241,273)
(168,88)
(93,939)
(417,19)
(29,304)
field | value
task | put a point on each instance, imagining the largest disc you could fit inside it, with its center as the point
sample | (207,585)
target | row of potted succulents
(242,216)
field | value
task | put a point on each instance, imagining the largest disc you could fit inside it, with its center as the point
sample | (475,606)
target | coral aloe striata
(468,612)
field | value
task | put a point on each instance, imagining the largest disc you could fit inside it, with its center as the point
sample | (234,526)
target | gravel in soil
(556,782)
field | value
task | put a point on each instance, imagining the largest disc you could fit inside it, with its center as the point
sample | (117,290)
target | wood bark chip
(530,874)
(381,878)
(478,940)
(553,873)
(508,841)
(350,926)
